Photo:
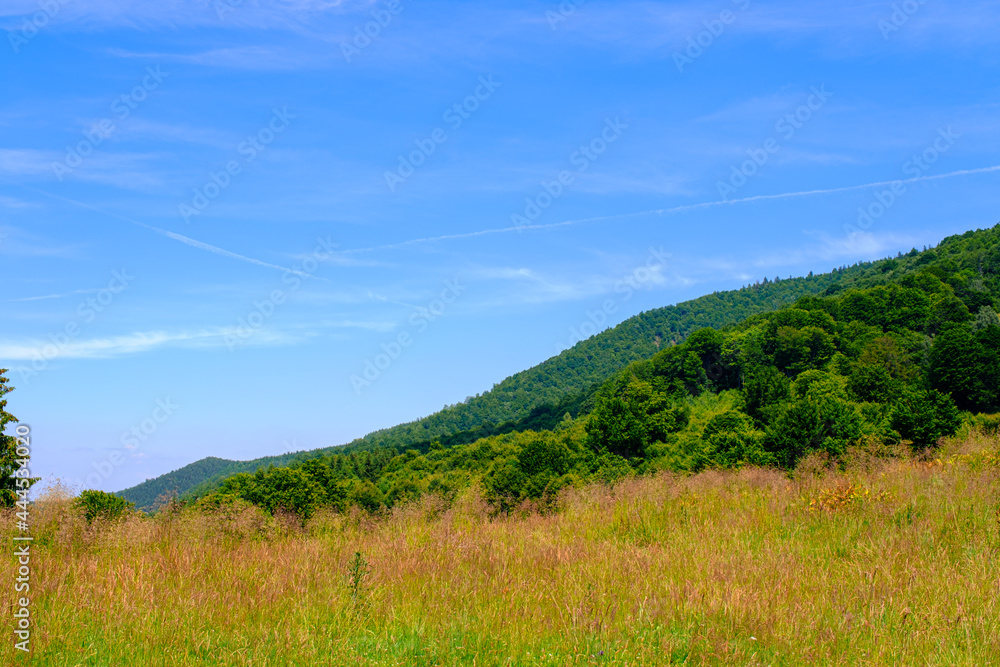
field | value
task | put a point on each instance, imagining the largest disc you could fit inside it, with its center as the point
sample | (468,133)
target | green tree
(366,496)
(797,350)
(948,309)
(923,417)
(954,365)
(678,370)
(820,417)
(734,441)
(9,458)
(764,389)
(103,505)
(716,361)
(988,385)
(537,469)
(888,306)
(986,318)
(633,417)
(872,383)
(888,352)
(504,483)
(544,453)
(290,489)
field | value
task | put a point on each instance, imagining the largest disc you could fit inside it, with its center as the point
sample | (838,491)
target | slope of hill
(560,378)
(541,393)
(147,494)
(889,368)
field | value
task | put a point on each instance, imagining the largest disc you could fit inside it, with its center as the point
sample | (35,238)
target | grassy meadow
(885,562)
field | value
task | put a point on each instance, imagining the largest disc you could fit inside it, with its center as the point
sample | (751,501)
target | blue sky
(215,216)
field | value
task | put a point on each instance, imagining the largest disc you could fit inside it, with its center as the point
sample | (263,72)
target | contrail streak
(186,240)
(662,211)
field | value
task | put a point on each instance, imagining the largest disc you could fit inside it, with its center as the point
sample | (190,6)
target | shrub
(634,417)
(100,504)
(923,417)
(734,441)
(821,417)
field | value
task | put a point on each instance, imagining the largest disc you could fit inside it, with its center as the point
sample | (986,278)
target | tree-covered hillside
(902,362)
(592,361)
(540,392)
(180,481)
(539,397)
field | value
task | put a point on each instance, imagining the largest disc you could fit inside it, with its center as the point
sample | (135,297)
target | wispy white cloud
(643,29)
(533,287)
(633,29)
(11,202)
(177,133)
(381,326)
(528,286)
(198,338)
(143,15)
(17,242)
(802,156)
(853,246)
(767,108)
(505,273)
(240,57)
(125,170)
(134,343)
(26,161)
(794,259)
(46,297)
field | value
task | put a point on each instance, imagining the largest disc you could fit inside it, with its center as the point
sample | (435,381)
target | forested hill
(897,365)
(577,371)
(182,480)
(594,360)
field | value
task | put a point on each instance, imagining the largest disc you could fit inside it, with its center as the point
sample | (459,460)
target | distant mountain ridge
(541,391)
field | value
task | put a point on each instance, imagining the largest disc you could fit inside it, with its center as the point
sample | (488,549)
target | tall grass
(888,562)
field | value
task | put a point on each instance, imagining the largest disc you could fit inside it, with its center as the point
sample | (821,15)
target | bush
(821,417)
(634,417)
(734,441)
(99,504)
(923,417)
(872,384)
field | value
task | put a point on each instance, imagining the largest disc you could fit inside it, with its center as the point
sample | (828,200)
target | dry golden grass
(893,562)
